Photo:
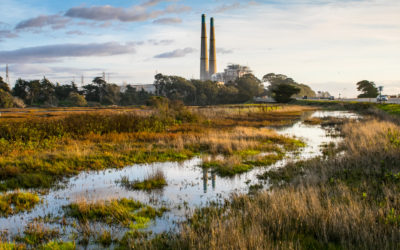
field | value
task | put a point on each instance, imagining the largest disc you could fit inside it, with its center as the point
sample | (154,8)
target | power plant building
(213,54)
(204,72)
(208,64)
(231,73)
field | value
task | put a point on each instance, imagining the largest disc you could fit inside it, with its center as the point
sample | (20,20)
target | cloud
(54,52)
(150,3)
(75,32)
(176,53)
(160,42)
(227,7)
(54,21)
(7,34)
(40,70)
(170,20)
(133,14)
(224,51)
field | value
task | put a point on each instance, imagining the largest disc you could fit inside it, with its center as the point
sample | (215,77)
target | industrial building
(208,62)
(231,73)
(208,65)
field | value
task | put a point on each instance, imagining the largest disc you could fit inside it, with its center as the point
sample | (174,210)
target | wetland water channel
(189,186)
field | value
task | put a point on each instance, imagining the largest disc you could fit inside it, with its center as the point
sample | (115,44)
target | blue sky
(328,44)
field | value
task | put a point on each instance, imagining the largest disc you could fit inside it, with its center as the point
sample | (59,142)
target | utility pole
(82,80)
(7,76)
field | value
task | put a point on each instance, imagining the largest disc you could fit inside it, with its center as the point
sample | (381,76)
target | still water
(189,186)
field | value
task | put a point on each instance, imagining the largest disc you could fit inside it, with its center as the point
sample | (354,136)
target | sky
(327,44)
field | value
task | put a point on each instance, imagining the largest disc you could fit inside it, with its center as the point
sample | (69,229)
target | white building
(231,73)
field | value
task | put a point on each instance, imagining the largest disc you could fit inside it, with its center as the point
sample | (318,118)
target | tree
(76,100)
(91,92)
(368,88)
(33,91)
(110,94)
(227,94)
(3,85)
(175,88)
(275,79)
(206,92)
(62,92)
(46,93)
(249,87)
(283,92)
(133,97)
(21,89)
(6,99)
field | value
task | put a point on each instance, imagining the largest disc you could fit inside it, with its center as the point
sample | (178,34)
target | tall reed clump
(78,125)
(350,201)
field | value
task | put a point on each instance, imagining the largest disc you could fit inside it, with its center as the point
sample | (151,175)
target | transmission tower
(7,76)
(104,76)
(82,80)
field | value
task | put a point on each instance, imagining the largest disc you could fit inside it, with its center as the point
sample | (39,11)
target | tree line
(190,92)
(99,92)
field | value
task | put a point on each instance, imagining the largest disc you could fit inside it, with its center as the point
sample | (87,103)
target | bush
(76,99)
(18,103)
(6,99)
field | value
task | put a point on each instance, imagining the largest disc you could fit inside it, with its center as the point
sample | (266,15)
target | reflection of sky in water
(188,184)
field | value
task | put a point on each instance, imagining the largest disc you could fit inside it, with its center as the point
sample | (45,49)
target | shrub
(75,99)
(6,99)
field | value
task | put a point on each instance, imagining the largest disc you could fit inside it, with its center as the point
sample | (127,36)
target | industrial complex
(208,65)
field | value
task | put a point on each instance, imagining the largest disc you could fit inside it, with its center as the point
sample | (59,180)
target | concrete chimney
(203,57)
(213,56)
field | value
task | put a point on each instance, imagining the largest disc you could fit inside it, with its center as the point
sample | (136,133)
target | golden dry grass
(346,202)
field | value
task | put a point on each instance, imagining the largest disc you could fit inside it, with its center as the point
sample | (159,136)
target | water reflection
(205,180)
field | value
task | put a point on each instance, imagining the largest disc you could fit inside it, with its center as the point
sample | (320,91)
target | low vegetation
(393,109)
(37,234)
(155,180)
(240,163)
(16,202)
(125,212)
(346,201)
(37,152)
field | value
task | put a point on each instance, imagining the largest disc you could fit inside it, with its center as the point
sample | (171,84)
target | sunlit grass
(16,202)
(124,212)
(37,152)
(154,180)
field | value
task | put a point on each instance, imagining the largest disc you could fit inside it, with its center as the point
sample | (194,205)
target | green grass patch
(16,202)
(155,180)
(11,246)
(226,169)
(59,245)
(393,109)
(36,235)
(123,212)
(265,160)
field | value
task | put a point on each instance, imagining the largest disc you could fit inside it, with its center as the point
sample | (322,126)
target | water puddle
(189,186)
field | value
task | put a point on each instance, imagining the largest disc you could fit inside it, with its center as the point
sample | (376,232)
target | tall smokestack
(203,56)
(213,56)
